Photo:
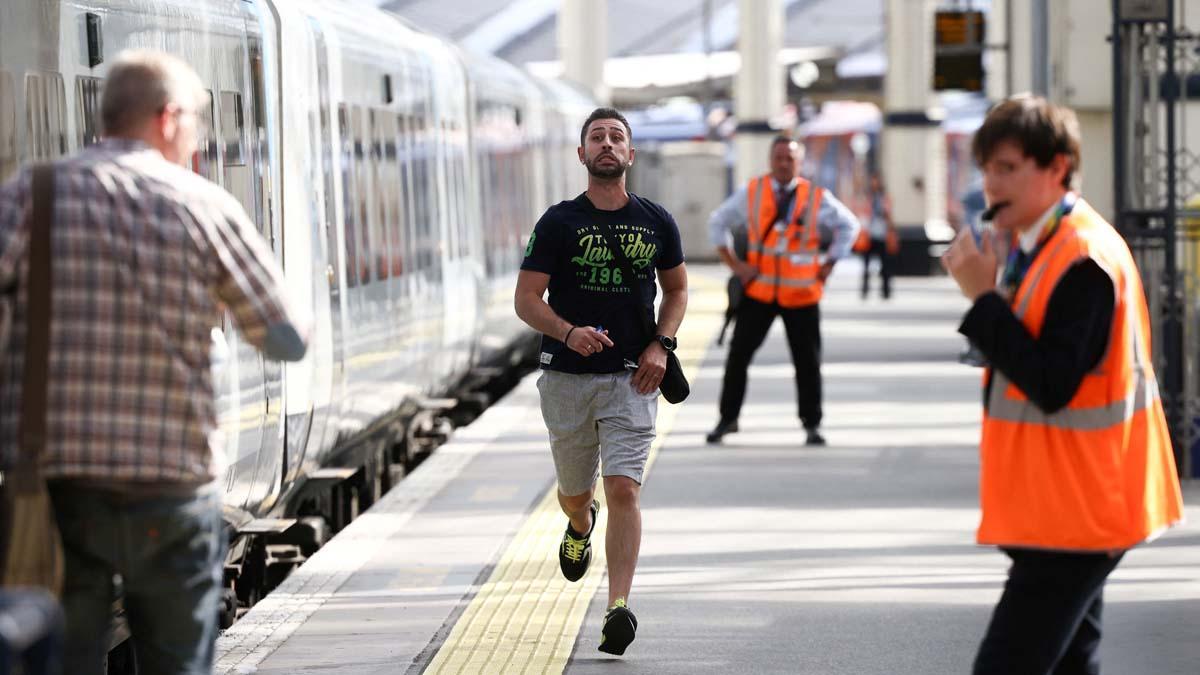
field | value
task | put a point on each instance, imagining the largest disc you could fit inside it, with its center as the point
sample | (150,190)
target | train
(396,178)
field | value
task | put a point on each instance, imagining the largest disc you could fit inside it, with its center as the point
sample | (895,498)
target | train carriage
(396,180)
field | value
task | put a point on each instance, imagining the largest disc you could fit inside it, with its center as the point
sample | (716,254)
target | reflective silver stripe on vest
(797,257)
(752,225)
(1142,395)
(806,227)
(1143,391)
(786,283)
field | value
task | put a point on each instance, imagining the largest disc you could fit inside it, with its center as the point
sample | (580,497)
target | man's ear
(167,123)
(579,151)
(1059,166)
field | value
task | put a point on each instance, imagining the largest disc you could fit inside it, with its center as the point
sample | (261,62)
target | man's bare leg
(578,509)
(624,537)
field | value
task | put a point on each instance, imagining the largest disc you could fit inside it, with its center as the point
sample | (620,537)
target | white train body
(395,178)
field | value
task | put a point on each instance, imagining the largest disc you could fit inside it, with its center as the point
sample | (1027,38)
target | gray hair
(141,83)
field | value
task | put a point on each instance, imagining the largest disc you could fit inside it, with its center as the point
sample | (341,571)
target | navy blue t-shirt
(587,286)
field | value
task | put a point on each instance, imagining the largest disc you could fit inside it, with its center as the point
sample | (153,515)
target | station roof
(848,34)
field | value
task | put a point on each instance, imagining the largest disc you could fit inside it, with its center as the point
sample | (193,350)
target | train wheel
(229,605)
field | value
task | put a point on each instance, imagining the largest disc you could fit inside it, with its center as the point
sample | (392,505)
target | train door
(324,424)
(427,298)
(412,357)
(225,157)
(448,234)
(262,110)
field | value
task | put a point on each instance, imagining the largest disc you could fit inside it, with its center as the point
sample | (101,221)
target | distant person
(1076,461)
(600,374)
(884,242)
(144,254)
(974,206)
(780,215)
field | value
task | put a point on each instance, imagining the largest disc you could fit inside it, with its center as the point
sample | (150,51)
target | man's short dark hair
(604,114)
(1041,129)
(782,139)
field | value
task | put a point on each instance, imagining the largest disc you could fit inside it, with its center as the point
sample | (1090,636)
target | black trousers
(803,326)
(878,250)
(1048,619)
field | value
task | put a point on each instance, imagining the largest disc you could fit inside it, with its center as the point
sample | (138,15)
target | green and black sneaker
(620,625)
(575,551)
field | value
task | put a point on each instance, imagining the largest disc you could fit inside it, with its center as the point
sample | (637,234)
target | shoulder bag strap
(37,335)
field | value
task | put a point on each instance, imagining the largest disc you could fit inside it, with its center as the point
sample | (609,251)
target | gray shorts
(594,420)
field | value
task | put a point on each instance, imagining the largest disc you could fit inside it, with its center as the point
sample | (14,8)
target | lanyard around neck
(1017,263)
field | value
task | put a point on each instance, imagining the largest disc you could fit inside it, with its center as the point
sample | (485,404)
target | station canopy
(657,48)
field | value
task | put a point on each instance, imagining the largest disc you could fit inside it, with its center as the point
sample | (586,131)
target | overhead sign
(1144,10)
(958,50)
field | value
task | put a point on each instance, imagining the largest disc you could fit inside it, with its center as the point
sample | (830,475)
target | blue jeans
(169,554)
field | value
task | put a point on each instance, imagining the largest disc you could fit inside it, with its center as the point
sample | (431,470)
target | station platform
(758,556)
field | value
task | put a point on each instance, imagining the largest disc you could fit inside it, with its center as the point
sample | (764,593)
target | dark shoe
(723,427)
(620,625)
(575,551)
(814,437)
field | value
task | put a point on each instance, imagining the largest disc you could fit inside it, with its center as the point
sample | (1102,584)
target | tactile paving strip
(526,617)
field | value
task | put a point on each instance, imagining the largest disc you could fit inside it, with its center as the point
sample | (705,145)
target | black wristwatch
(668,343)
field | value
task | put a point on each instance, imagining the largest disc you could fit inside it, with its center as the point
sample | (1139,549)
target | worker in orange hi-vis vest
(1076,461)
(779,217)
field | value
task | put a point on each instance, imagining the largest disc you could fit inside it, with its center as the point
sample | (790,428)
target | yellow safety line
(526,617)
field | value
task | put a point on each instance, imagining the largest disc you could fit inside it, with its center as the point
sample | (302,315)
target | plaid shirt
(143,251)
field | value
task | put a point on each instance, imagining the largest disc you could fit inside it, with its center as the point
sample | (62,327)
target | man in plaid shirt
(144,254)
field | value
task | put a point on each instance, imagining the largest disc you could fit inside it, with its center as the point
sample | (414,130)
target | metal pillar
(913,149)
(583,44)
(759,88)
(1154,181)
(999,81)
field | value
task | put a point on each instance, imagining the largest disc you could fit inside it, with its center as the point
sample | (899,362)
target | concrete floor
(764,556)
(758,556)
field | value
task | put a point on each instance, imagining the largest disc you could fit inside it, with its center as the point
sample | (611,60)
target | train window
(204,162)
(8,126)
(458,171)
(406,184)
(445,168)
(263,159)
(381,210)
(427,243)
(391,188)
(362,183)
(467,197)
(56,113)
(36,131)
(45,115)
(87,109)
(233,128)
(350,221)
(326,154)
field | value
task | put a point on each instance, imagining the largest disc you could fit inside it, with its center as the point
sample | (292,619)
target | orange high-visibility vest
(1098,475)
(786,254)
